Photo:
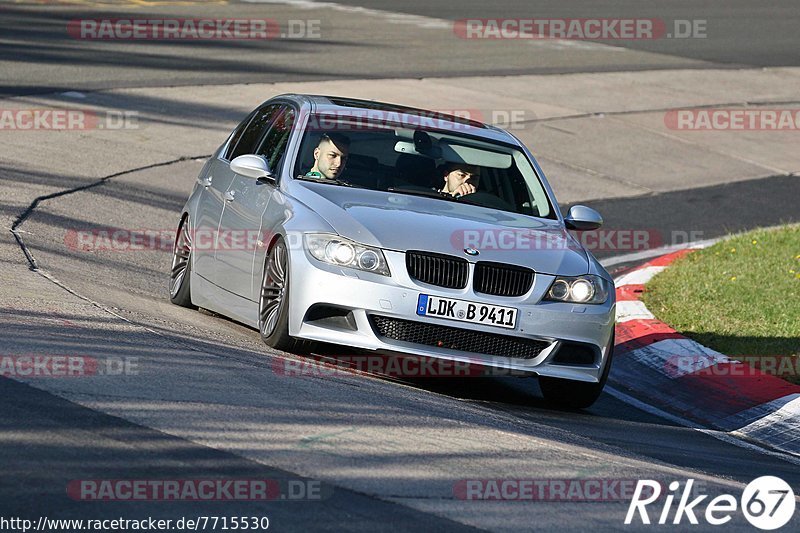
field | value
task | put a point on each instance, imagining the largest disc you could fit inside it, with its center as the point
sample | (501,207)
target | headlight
(587,289)
(339,251)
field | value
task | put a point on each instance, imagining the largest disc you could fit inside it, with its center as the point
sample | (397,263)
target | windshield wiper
(329,181)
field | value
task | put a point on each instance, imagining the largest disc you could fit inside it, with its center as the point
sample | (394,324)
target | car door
(216,182)
(247,199)
(209,208)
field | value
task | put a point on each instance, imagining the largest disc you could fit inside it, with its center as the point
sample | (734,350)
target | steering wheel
(485,199)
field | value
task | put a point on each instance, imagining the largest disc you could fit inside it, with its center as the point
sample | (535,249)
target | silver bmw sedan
(398,231)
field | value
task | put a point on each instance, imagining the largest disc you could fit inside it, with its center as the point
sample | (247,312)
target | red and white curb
(656,365)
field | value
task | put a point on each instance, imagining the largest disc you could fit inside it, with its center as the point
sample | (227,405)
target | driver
(460,179)
(330,156)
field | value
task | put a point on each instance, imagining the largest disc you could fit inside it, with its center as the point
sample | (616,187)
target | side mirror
(582,218)
(253,166)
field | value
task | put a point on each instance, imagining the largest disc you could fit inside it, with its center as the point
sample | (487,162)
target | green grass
(740,297)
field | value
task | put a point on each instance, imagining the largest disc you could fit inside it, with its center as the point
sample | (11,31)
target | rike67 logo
(767,503)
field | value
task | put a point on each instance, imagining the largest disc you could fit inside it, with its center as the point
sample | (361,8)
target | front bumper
(346,306)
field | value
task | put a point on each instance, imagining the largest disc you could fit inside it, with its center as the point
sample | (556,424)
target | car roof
(356,107)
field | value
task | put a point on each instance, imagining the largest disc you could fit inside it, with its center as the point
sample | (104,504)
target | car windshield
(403,159)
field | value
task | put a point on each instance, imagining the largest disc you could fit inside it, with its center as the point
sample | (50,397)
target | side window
(274,145)
(252,134)
(237,134)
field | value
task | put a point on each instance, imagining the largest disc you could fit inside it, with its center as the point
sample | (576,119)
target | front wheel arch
(272,287)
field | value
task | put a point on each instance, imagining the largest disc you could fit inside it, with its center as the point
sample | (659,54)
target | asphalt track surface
(738,32)
(38,55)
(208,403)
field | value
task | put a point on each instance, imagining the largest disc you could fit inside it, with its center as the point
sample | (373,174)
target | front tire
(575,394)
(180,291)
(273,302)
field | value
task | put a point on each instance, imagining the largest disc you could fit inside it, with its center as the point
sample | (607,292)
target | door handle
(229,196)
(207,182)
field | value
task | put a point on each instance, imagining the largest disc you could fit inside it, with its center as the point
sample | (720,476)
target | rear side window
(248,142)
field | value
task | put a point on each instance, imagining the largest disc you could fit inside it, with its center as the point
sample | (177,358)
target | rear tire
(575,394)
(180,290)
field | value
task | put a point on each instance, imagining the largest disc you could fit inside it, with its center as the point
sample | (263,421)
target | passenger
(460,179)
(330,156)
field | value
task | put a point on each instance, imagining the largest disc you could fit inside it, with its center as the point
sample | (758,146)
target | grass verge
(740,297)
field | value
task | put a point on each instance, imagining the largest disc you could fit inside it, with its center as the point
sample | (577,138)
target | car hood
(404,222)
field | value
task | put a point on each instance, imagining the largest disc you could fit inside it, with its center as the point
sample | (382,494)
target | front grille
(437,269)
(502,280)
(464,340)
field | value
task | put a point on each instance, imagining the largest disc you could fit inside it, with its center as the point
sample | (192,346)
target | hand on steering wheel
(463,190)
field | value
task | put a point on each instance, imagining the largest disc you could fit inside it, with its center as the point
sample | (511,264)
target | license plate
(464,311)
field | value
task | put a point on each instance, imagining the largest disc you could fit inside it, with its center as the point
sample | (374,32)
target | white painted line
(731,438)
(632,310)
(647,408)
(640,276)
(656,252)
(392,17)
(421,21)
(720,435)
